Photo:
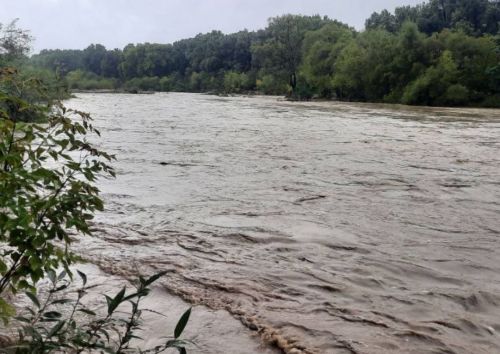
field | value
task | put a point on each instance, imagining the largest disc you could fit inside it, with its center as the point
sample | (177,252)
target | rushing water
(327,227)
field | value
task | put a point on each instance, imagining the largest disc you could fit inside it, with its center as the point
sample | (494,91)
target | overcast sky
(115,23)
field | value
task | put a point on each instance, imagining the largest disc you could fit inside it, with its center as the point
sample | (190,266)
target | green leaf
(60,288)
(61,301)
(105,333)
(3,267)
(62,275)
(113,303)
(154,278)
(22,319)
(131,296)
(6,311)
(56,328)
(52,276)
(52,315)
(33,298)
(88,312)
(83,276)
(179,328)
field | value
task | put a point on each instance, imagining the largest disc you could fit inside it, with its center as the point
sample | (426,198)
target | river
(325,227)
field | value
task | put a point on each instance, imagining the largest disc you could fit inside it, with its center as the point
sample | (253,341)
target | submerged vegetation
(443,52)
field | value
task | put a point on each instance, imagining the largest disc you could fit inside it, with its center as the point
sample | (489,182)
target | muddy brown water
(324,227)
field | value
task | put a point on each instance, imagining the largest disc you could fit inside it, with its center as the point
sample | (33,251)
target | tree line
(443,52)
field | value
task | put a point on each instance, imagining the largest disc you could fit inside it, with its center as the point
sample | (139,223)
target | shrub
(235,82)
(492,101)
(270,85)
(61,323)
(143,84)
(47,176)
(166,84)
(47,173)
(456,95)
(83,80)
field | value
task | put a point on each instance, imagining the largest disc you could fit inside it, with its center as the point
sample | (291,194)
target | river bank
(73,92)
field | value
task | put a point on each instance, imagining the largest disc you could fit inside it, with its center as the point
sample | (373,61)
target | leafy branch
(46,326)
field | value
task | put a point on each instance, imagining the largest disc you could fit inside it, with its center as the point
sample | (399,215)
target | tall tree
(92,58)
(284,44)
(14,42)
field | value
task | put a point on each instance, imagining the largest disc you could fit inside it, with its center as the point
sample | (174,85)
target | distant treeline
(444,52)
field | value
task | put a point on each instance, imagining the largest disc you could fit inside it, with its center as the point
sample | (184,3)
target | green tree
(110,63)
(321,51)
(14,43)
(325,57)
(57,60)
(408,62)
(235,82)
(438,85)
(282,48)
(383,20)
(476,17)
(348,81)
(93,56)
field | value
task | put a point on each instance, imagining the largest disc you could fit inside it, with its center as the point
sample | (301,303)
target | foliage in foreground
(47,175)
(48,170)
(62,323)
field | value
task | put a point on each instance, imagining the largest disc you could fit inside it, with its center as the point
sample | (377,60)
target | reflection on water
(328,227)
